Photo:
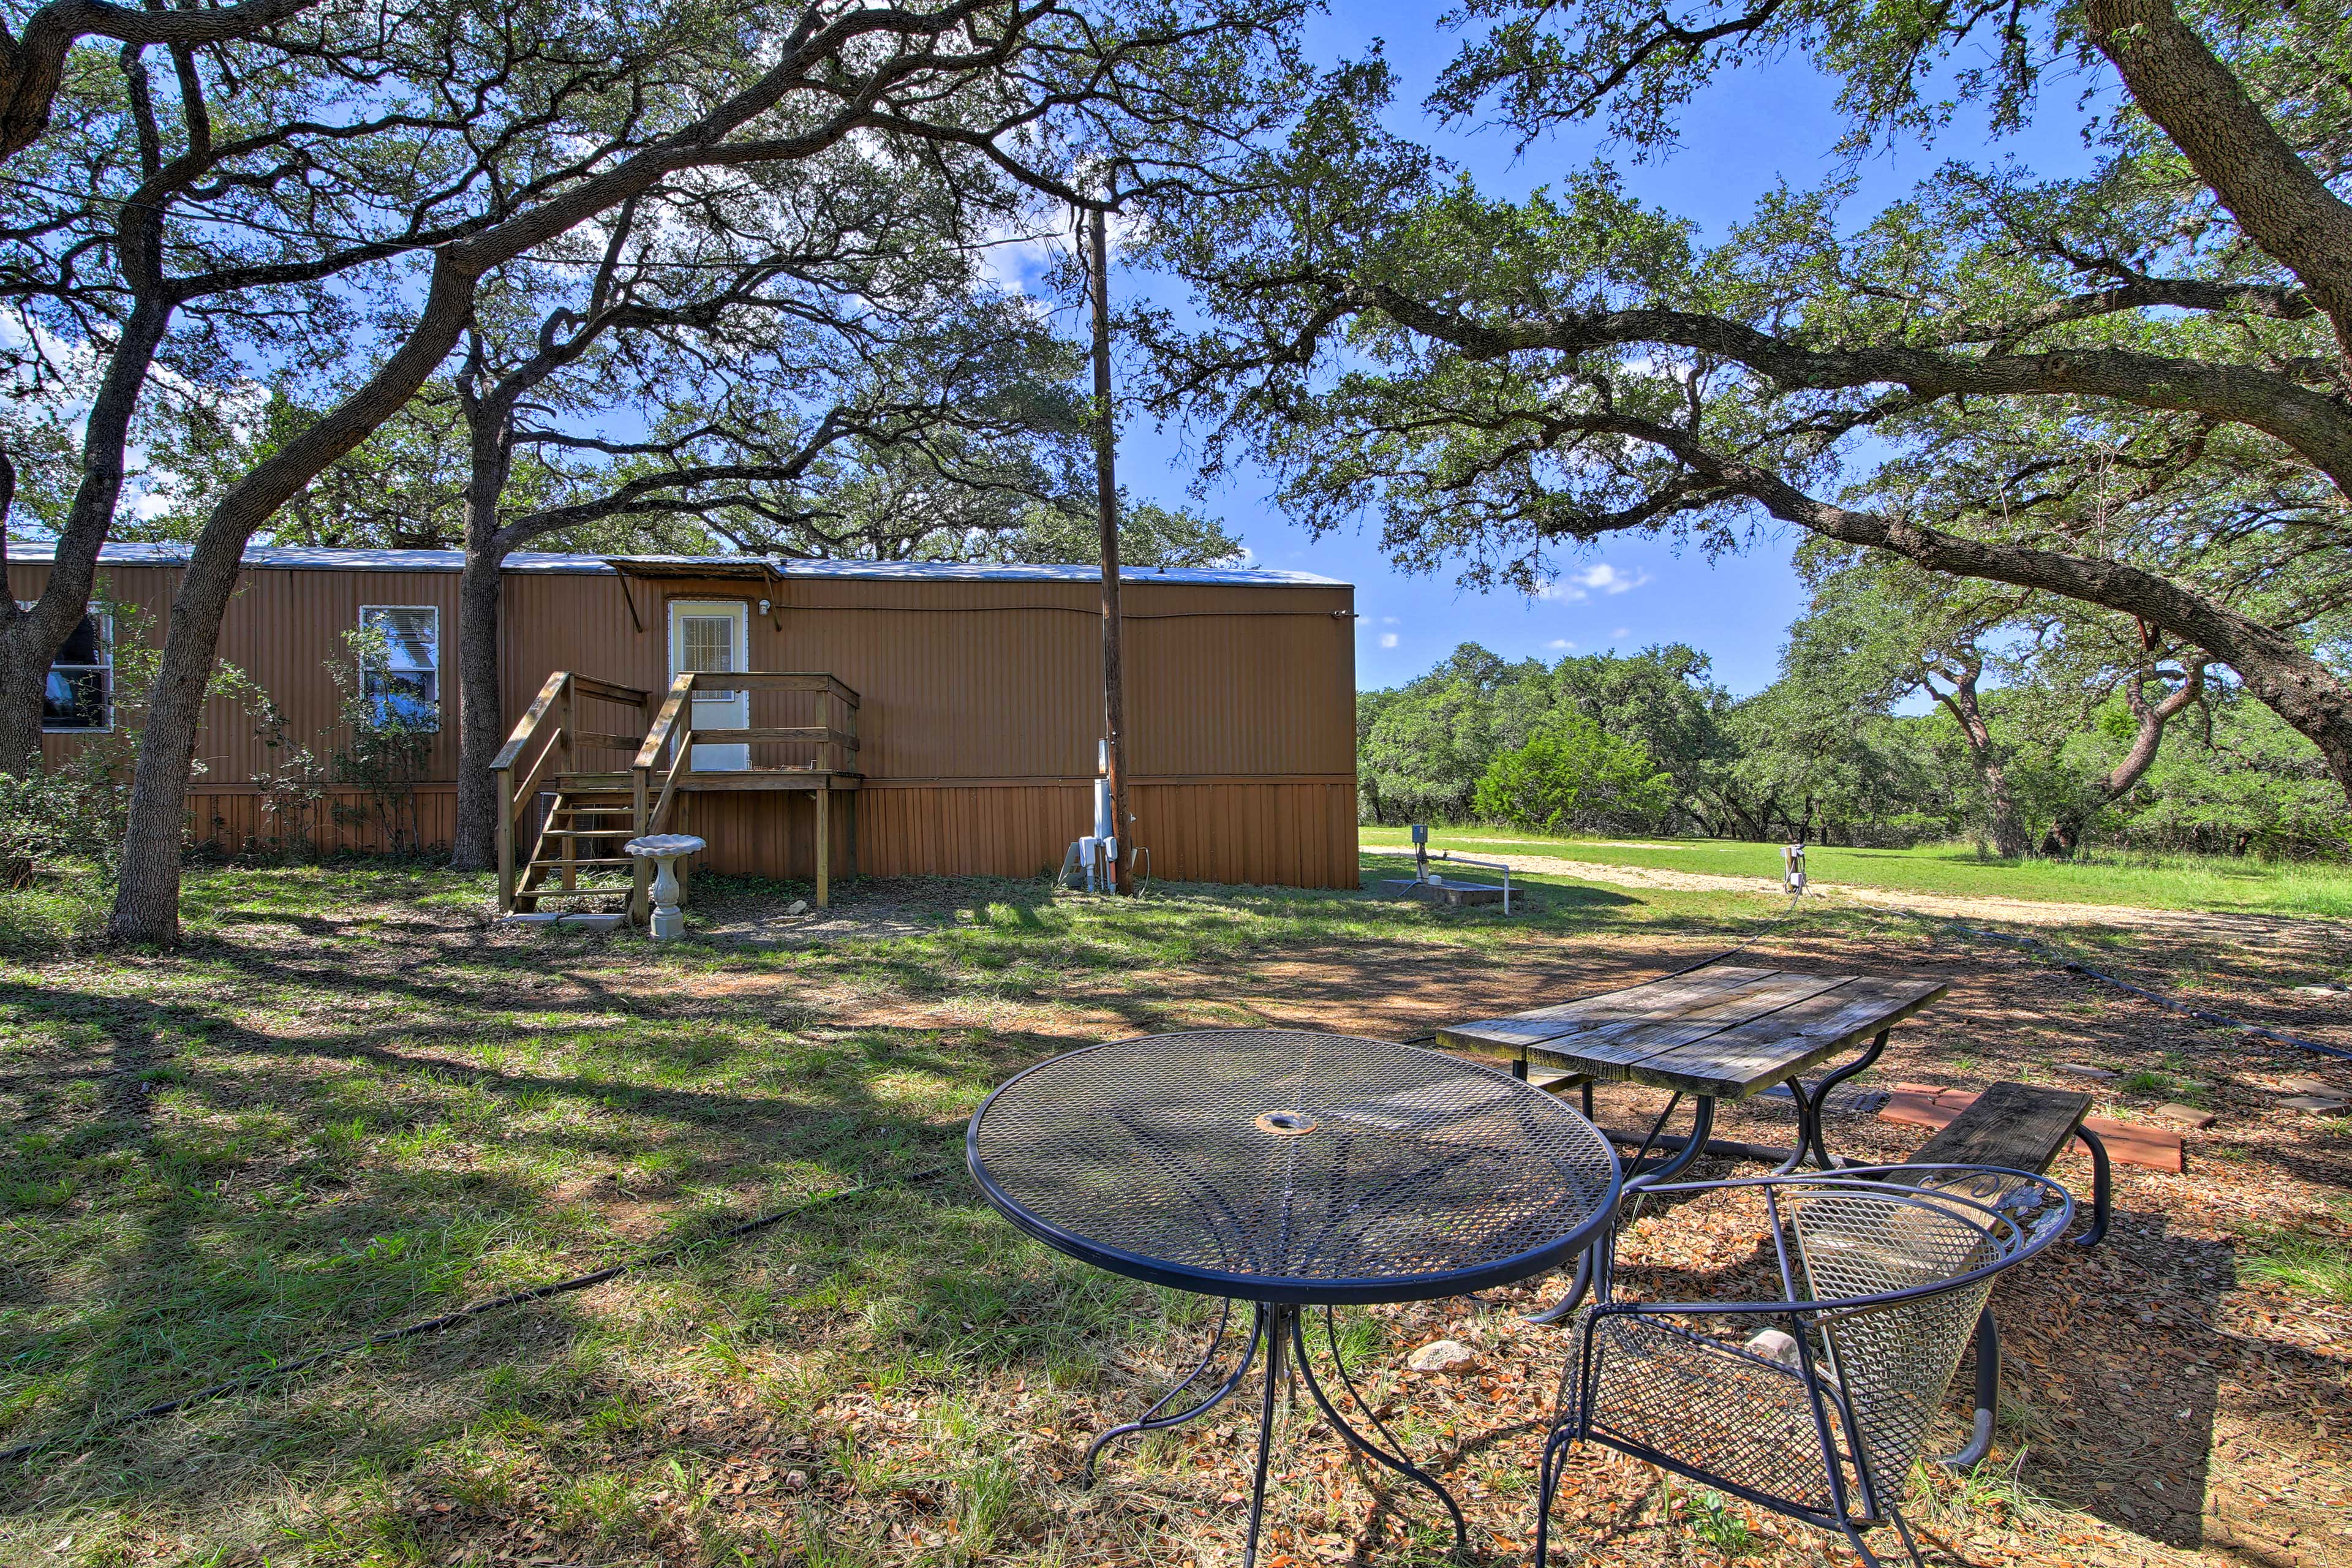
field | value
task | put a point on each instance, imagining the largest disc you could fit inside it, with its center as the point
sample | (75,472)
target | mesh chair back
(1883,1279)
(1892,1361)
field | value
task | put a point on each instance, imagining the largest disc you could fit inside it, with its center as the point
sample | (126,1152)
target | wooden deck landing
(725,778)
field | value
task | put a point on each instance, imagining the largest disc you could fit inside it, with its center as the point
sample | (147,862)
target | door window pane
(707,643)
(401,678)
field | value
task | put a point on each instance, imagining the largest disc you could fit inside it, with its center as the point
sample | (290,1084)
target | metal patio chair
(1881,1272)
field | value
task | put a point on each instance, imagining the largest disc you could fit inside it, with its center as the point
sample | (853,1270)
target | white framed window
(79,697)
(400,676)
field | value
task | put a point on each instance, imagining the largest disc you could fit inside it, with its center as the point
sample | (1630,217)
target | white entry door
(709,635)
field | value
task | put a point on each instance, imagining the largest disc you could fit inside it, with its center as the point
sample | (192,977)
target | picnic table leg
(1987,1395)
(2102,1189)
(1860,1064)
(1702,1123)
(1808,1132)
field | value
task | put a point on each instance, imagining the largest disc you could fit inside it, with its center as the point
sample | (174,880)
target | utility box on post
(1792,869)
(1433,887)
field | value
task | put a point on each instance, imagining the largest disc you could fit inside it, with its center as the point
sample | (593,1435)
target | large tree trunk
(29,639)
(2066,831)
(147,898)
(147,893)
(2284,205)
(22,673)
(20,711)
(480,730)
(2008,837)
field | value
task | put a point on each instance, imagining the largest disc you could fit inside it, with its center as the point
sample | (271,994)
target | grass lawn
(350,1103)
(2195,882)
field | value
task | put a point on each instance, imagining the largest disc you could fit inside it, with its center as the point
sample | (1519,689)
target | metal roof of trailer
(266,557)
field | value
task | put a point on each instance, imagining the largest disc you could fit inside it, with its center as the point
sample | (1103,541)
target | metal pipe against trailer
(1107,510)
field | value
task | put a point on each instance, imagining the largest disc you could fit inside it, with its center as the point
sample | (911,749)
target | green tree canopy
(2123,387)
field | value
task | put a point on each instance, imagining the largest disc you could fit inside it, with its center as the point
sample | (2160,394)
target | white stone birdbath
(665,850)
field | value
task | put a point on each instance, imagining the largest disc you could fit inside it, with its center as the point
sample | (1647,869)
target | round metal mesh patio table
(1276,1165)
(1289,1169)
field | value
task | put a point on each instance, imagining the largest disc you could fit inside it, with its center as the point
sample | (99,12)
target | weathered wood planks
(1727,1032)
(2013,1125)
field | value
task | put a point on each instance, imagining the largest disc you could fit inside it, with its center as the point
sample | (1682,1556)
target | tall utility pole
(1107,508)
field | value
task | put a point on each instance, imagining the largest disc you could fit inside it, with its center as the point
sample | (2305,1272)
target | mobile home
(937,719)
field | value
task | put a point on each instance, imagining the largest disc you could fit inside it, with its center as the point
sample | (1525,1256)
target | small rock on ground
(1441,1355)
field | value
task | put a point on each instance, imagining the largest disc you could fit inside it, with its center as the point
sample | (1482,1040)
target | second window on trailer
(400,670)
(79,693)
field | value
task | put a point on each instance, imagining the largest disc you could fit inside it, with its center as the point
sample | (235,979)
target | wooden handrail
(770,680)
(676,713)
(658,817)
(529,724)
(554,697)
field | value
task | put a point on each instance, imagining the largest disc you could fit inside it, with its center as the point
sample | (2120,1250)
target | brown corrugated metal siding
(981,707)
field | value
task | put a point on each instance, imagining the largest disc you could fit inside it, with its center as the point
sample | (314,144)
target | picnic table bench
(2015,1127)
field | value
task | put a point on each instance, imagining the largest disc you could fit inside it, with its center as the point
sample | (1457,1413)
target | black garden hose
(411,1330)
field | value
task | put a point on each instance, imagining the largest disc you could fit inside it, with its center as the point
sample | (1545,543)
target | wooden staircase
(578,854)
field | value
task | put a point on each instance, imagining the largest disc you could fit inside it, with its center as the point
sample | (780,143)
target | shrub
(1572,774)
(71,812)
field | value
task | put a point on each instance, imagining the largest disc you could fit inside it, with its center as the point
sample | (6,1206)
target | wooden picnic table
(1724,1032)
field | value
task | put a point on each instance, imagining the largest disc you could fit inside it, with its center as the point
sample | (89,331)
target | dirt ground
(2171,1398)
(2160,1403)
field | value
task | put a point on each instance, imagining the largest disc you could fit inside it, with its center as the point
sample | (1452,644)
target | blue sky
(1750,130)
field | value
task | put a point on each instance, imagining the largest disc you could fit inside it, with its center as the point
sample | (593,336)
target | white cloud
(1560,643)
(1620,632)
(1598,578)
(1607,579)
(1387,639)
(1391,621)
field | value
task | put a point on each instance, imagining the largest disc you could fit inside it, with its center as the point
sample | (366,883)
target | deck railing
(654,786)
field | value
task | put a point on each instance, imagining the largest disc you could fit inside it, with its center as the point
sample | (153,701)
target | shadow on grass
(327,1129)
(313,1184)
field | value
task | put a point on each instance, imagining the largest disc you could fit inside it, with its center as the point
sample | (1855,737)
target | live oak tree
(197,217)
(2130,388)
(36,45)
(1880,629)
(1076,102)
(694,307)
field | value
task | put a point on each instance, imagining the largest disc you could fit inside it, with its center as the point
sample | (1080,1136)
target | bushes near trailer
(386,747)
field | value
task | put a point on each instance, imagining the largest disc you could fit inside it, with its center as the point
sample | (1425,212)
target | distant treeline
(1648,744)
